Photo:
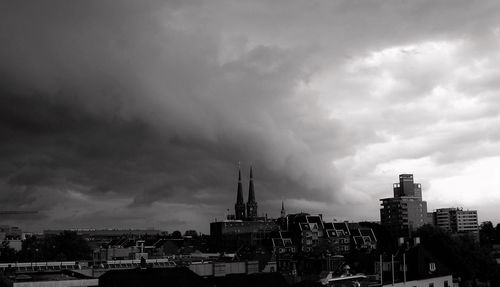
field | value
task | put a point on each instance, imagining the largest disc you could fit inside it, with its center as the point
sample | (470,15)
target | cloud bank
(136,114)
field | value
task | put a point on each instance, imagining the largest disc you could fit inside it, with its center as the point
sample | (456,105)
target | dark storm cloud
(97,100)
(124,113)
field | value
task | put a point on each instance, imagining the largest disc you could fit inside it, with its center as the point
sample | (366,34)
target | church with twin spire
(246,211)
(244,225)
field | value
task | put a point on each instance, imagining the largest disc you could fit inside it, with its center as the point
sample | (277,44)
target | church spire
(251,189)
(239,196)
(283,213)
(239,207)
(251,204)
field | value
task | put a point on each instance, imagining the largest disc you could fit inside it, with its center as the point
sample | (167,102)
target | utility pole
(404,269)
(392,267)
(381,270)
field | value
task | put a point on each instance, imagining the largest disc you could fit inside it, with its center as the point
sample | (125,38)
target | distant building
(285,252)
(310,233)
(242,211)
(283,212)
(406,211)
(229,235)
(456,220)
(244,227)
(413,265)
(251,204)
(239,207)
(306,230)
(11,232)
(106,233)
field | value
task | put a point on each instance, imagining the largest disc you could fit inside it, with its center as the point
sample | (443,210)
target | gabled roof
(328,225)
(341,226)
(278,242)
(285,234)
(315,219)
(287,242)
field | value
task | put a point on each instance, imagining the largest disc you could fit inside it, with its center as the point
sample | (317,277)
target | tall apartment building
(456,220)
(406,211)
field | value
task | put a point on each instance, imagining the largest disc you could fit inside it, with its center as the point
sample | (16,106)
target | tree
(68,245)
(386,243)
(176,234)
(461,254)
(7,254)
(30,250)
(191,233)
(487,234)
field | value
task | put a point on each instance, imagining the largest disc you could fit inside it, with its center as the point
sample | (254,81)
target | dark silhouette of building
(406,187)
(242,211)
(283,213)
(413,265)
(406,211)
(251,204)
(230,235)
(244,227)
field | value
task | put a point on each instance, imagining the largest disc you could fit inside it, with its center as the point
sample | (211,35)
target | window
(431,284)
(446,283)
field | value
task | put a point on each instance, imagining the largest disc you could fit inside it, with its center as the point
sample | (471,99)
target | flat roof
(63,275)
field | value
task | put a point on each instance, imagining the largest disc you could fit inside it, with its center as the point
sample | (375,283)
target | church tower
(251,204)
(239,207)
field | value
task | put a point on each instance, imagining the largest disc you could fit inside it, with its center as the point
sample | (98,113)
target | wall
(438,282)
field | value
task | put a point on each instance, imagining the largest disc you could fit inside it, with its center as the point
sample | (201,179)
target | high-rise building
(406,211)
(406,187)
(456,220)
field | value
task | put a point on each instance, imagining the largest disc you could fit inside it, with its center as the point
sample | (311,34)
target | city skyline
(137,114)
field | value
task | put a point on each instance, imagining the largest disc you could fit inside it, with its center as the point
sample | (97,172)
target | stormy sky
(135,114)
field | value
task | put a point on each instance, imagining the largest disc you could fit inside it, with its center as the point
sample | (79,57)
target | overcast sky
(135,114)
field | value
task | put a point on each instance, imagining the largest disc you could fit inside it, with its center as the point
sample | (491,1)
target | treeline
(467,258)
(489,235)
(66,246)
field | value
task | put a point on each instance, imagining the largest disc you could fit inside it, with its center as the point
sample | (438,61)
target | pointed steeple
(283,213)
(239,207)
(251,204)
(251,189)
(239,196)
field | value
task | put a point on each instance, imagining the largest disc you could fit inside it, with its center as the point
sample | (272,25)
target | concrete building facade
(406,211)
(456,220)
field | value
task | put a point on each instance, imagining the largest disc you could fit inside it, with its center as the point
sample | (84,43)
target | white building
(443,281)
(456,220)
